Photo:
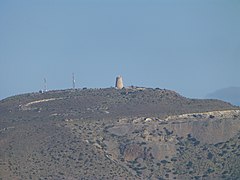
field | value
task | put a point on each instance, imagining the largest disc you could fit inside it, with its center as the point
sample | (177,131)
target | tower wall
(119,82)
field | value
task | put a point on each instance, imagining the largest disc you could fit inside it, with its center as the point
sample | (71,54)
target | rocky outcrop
(213,114)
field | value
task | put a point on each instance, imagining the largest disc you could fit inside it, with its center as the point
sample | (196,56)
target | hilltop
(230,94)
(130,133)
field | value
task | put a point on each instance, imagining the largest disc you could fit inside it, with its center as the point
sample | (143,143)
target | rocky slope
(134,133)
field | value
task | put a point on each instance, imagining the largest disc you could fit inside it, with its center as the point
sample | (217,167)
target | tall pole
(45,85)
(73,81)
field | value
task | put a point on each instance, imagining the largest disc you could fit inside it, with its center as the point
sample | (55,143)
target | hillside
(134,133)
(230,94)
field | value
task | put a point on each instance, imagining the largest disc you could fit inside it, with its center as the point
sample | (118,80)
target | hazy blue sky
(190,46)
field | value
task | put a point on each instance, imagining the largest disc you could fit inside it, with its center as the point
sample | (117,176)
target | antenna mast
(73,81)
(45,85)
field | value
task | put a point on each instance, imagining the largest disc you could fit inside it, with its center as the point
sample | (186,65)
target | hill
(134,133)
(230,94)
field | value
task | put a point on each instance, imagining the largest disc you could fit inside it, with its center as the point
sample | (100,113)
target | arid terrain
(133,133)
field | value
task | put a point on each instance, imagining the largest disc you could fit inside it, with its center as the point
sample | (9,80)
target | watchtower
(119,82)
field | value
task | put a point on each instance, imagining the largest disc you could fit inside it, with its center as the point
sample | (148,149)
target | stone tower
(119,82)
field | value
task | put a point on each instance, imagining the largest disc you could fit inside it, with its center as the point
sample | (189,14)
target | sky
(189,46)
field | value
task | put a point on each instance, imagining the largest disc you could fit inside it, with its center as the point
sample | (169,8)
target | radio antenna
(45,85)
(73,81)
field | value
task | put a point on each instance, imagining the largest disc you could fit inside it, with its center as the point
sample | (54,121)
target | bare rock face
(119,82)
(207,127)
